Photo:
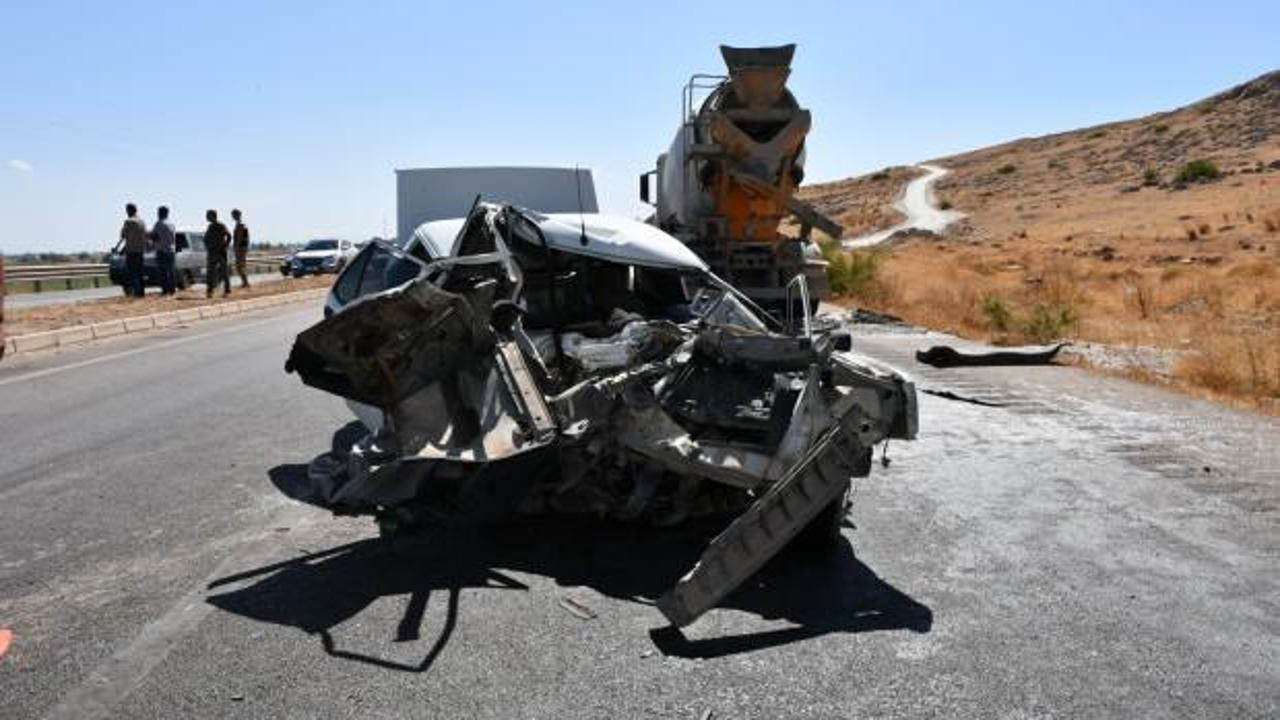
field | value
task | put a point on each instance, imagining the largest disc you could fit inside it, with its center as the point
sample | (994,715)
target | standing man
(240,242)
(162,236)
(134,235)
(216,240)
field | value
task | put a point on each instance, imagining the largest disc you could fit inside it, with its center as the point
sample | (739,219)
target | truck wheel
(184,280)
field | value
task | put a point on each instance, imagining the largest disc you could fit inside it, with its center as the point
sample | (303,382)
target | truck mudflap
(817,480)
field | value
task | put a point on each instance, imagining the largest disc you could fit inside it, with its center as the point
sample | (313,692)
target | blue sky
(299,112)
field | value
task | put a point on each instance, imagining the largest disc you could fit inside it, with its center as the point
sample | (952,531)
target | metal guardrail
(46,277)
(65,274)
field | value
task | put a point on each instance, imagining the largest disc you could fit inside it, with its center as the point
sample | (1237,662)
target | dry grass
(21,321)
(1225,318)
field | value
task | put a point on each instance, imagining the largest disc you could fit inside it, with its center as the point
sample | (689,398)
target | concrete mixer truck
(729,178)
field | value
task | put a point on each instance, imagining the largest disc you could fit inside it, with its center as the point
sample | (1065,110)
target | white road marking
(126,353)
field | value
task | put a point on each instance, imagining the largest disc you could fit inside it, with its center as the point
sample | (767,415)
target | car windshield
(322,245)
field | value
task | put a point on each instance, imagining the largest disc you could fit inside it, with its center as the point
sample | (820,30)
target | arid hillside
(863,204)
(1157,233)
(1086,188)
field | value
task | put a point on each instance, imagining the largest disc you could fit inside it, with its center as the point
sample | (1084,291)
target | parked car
(322,256)
(188,262)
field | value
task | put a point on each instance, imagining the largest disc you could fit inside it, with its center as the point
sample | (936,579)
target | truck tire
(183,279)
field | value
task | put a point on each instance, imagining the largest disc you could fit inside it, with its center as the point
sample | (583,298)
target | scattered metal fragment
(577,607)
(944,356)
(871,317)
(949,395)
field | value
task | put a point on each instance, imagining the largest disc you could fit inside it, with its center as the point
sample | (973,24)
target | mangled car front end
(591,365)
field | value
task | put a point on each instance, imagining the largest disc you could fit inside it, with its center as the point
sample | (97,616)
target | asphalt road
(1086,548)
(63,297)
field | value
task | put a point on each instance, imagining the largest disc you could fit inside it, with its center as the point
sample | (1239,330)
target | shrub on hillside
(997,313)
(1047,323)
(1007,168)
(849,273)
(1150,177)
(1198,171)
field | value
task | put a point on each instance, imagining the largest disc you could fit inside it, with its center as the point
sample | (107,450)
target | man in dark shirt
(240,244)
(134,236)
(216,240)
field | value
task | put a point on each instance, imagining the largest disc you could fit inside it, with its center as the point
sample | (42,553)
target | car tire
(297,275)
(183,279)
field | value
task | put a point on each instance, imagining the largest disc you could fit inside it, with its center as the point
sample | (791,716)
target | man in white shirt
(163,239)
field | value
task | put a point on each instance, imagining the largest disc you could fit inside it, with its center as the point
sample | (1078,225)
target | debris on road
(944,356)
(949,395)
(591,365)
(6,639)
(863,316)
(577,607)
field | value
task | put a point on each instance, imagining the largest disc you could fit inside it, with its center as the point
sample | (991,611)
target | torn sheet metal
(526,376)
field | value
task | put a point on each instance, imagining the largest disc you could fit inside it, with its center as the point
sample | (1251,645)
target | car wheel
(183,280)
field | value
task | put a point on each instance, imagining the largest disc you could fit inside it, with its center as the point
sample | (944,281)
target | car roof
(437,236)
(616,238)
(609,237)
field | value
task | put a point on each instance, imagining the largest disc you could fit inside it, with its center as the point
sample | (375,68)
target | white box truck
(427,194)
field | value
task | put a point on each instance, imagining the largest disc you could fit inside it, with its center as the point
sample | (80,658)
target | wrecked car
(513,363)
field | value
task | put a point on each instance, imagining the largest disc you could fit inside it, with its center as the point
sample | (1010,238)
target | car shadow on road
(816,595)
